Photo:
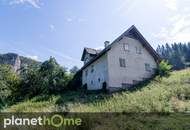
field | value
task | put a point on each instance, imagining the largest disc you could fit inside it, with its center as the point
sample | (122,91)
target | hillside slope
(167,94)
(12,59)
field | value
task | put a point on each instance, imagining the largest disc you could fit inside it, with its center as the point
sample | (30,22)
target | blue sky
(62,28)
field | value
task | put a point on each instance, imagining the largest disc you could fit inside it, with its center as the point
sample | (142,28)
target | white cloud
(52,27)
(81,20)
(125,7)
(178,23)
(34,3)
(33,57)
(171,4)
(69,19)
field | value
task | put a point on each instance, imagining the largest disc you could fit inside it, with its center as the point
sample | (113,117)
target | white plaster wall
(135,63)
(100,71)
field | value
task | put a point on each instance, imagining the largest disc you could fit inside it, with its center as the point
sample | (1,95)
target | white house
(128,60)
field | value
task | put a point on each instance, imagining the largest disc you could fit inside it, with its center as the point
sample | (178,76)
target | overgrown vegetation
(177,54)
(49,87)
(164,68)
(46,79)
(167,94)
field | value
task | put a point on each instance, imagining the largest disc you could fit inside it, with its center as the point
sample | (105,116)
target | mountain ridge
(17,61)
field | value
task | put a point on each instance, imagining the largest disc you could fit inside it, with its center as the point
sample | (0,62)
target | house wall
(100,72)
(135,63)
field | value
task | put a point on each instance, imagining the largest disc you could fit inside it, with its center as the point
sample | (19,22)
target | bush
(164,68)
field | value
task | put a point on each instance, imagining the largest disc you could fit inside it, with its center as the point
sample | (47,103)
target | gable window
(86,60)
(126,46)
(147,67)
(122,62)
(138,50)
(86,73)
(92,68)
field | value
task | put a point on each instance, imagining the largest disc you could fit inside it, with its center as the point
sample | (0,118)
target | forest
(177,54)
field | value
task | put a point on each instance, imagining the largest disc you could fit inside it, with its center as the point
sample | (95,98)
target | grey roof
(132,30)
(90,51)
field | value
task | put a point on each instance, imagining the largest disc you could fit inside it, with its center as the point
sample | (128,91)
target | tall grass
(167,94)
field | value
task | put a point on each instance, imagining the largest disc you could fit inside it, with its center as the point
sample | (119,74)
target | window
(86,73)
(91,82)
(147,67)
(86,60)
(138,50)
(122,62)
(92,68)
(98,79)
(126,47)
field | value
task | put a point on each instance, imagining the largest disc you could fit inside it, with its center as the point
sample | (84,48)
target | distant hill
(17,61)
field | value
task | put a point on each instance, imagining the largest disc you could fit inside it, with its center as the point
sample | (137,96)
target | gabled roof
(90,51)
(132,31)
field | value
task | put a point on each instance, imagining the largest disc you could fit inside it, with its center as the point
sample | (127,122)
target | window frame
(125,46)
(122,62)
(138,50)
(148,67)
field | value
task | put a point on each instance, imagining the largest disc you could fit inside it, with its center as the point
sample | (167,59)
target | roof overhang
(132,30)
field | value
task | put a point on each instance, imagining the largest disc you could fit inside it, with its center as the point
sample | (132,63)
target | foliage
(76,81)
(164,68)
(74,69)
(27,63)
(9,82)
(49,78)
(169,94)
(35,79)
(178,55)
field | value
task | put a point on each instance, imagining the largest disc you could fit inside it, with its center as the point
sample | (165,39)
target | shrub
(164,68)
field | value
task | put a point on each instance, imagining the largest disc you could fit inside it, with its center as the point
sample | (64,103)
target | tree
(9,83)
(164,68)
(177,54)
(74,69)
(53,76)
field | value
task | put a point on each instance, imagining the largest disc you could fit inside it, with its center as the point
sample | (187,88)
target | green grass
(168,94)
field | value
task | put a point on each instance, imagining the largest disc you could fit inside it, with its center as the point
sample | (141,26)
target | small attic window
(126,46)
(138,50)
(86,60)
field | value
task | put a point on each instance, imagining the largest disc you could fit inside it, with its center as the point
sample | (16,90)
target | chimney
(106,43)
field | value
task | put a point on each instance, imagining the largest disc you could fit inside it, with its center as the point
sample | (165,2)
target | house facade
(128,60)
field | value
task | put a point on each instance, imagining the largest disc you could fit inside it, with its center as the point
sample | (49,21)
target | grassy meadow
(167,94)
